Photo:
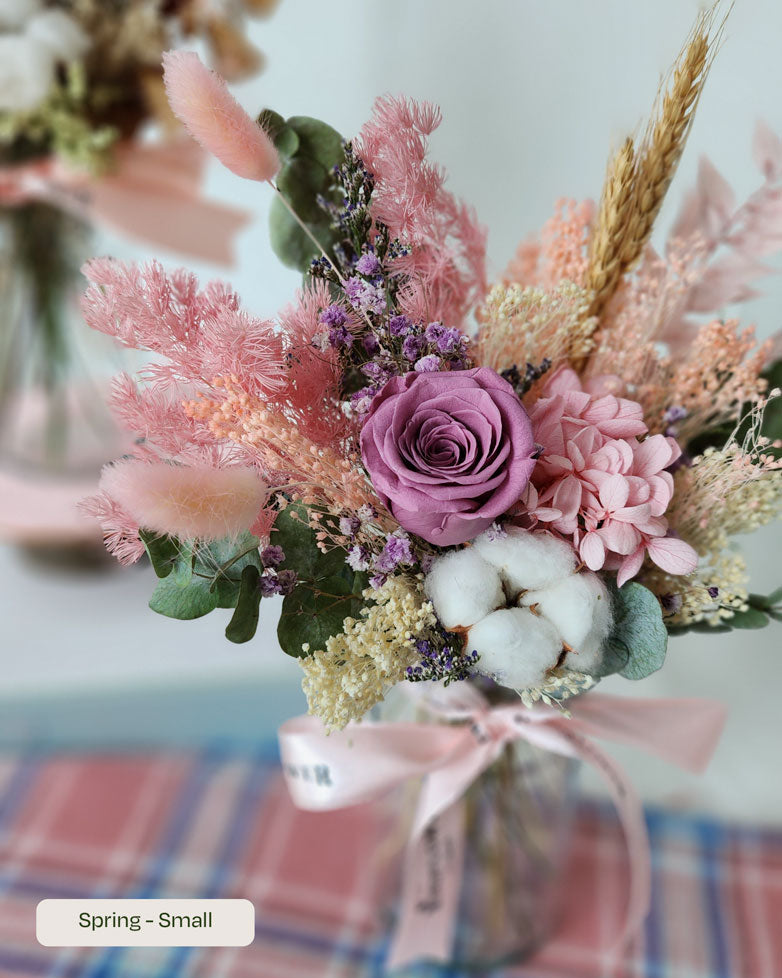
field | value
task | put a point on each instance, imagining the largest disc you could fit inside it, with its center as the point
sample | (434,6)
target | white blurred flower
(26,73)
(59,33)
(14,14)
(522,605)
(37,40)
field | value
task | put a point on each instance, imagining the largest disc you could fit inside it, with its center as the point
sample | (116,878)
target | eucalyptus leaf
(638,641)
(751,618)
(285,140)
(205,578)
(193,600)
(163,551)
(244,621)
(327,592)
(317,140)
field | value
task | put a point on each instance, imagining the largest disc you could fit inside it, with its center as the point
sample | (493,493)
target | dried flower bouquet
(537,499)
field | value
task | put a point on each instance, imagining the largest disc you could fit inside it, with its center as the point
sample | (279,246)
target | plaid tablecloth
(220,824)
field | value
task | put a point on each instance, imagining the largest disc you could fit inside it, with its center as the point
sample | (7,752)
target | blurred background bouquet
(80,93)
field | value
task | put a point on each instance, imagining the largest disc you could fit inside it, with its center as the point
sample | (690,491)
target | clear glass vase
(518,824)
(53,418)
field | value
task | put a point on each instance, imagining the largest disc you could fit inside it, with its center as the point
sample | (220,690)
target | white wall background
(534,96)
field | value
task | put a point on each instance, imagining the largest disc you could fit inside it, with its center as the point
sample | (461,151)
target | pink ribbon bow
(366,760)
(153,193)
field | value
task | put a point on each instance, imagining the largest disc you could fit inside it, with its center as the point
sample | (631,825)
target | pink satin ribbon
(153,192)
(366,760)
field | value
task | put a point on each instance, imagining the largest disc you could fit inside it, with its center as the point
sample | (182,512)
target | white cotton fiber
(516,648)
(579,607)
(463,588)
(526,560)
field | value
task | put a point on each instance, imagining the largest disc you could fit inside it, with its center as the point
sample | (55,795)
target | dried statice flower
(520,381)
(440,663)
(347,678)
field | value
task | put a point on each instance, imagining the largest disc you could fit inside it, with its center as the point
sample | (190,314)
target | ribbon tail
(187,225)
(431,885)
(631,817)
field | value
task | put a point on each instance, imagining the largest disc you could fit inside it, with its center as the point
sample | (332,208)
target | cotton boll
(189,502)
(26,73)
(516,648)
(579,607)
(526,560)
(14,14)
(463,588)
(590,654)
(59,34)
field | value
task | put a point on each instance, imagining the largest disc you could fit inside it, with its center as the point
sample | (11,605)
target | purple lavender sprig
(442,663)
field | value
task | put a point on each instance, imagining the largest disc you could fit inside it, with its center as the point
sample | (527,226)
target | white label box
(145,923)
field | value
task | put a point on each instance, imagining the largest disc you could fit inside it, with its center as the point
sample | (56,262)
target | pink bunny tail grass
(200,98)
(193,502)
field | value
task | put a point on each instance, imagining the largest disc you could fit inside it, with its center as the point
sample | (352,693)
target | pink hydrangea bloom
(598,484)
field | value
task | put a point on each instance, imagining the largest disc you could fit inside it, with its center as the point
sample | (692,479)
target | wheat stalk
(637,180)
(616,203)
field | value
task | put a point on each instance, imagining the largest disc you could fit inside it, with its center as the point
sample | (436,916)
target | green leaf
(751,618)
(164,551)
(702,627)
(244,621)
(205,578)
(310,149)
(615,658)
(775,597)
(193,600)
(284,138)
(317,140)
(292,532)
(638,641)
(223,562)
(328,590)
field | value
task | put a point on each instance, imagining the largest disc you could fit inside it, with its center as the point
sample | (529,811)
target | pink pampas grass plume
(193,502)
(200,99)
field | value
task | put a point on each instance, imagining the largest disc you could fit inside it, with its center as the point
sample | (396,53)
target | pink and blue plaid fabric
(220,824)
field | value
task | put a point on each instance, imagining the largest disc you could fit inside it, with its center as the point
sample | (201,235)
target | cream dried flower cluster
(527,324)
(357,667)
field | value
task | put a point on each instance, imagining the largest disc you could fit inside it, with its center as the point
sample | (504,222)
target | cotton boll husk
(200,99)
(59,34)
(463,588)
(579,607)
(515,647)
(14,14)
(526,560)
(26,73)
(190,502)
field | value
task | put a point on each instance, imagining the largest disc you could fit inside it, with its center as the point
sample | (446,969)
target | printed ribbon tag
(364,761)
